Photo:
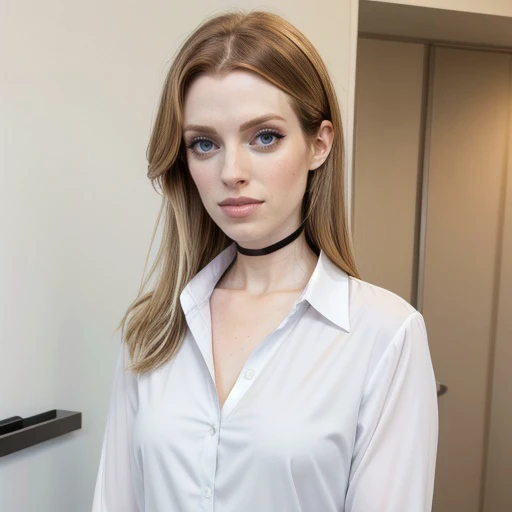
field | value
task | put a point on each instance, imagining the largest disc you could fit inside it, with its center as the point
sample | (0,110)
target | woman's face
(268,160)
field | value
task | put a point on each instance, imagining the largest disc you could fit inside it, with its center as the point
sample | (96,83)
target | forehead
(238,95)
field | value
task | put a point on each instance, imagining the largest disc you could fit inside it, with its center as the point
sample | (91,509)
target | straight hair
(268,45)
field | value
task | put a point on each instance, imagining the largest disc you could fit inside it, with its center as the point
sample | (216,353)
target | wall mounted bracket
(17,433)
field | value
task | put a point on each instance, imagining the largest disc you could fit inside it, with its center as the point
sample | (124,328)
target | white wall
(496,7)
(79,89)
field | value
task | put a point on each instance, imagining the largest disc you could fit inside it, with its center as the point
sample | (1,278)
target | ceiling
(406,22)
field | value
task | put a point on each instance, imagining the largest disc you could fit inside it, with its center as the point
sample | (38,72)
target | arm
(393,463)
(114,485)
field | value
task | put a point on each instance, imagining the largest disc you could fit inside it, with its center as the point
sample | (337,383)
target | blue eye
(200,141)
(205,145)
(207,142)
(269,135)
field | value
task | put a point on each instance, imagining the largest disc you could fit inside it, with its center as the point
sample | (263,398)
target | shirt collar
(327,289)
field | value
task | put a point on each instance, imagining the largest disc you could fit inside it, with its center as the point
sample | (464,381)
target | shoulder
(378,313)
(380,303)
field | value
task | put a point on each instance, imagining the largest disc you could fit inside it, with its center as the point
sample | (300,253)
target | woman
(265,374)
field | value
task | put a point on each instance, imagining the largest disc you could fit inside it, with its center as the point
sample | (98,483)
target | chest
(295,424)
(239,324)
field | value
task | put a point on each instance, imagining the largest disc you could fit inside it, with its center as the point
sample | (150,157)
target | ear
(321,146)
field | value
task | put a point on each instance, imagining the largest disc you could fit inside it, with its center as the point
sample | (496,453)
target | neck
(288,268)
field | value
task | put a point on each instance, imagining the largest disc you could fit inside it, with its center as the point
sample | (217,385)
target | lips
(239,201)
(241,210)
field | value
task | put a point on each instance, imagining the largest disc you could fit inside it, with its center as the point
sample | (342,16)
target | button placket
(209,465)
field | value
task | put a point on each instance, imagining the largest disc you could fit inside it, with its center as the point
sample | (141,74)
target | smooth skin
(268,161)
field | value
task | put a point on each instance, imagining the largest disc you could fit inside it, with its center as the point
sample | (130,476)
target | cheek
(286,174)
(203,178)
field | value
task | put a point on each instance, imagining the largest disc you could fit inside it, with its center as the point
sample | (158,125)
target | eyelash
(266,131)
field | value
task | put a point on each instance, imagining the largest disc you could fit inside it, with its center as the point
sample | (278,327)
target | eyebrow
(245,126)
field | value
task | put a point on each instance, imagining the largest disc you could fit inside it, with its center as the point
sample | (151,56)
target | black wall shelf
(17,433)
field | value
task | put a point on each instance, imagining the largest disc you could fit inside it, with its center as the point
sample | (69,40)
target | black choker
(273,247)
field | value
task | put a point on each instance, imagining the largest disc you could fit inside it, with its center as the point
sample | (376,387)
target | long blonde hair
(266,44)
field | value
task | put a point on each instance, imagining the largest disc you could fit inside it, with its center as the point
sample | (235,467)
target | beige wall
(389,76)
(79,89)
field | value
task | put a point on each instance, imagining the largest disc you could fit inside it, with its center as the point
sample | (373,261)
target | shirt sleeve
(114,485)
(394,458)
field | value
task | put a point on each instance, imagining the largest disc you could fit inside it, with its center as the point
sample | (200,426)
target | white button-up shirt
(334,411)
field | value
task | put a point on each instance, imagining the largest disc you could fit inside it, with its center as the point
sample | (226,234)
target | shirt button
(249,374)
(212,430)
(207,492)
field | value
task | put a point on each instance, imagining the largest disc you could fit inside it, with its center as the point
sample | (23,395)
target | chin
(241,233)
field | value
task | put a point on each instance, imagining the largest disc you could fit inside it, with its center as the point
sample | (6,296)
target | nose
(235,167)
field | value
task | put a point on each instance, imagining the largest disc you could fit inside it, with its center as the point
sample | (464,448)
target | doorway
(432,221)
